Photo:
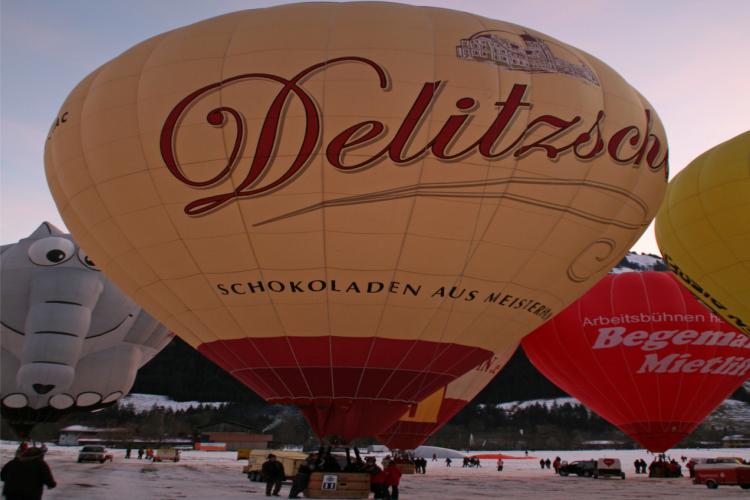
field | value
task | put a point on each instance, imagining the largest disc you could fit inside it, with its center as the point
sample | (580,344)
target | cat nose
(42,388)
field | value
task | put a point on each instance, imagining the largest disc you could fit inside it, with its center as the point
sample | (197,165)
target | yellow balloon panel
(703,229)
(424,419)
(458,393)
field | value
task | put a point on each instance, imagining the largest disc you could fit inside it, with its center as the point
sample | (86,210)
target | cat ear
(45,229)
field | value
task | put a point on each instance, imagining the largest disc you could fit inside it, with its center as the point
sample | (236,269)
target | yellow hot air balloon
(349,205)
(703,229)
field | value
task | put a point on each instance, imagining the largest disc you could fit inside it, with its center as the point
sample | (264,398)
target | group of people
(640,466)
(384,481)
(471,462)
(323,461)
(26,474)
(545,463)
(420,465)
(664,467)
(149,452)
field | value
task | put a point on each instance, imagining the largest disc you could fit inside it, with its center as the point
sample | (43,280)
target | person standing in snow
(273,474)
(392,480)
(25,476)
(302,479)
(377,477)
(499,464)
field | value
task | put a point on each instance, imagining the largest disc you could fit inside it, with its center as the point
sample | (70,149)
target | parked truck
(715,474)
(291,460)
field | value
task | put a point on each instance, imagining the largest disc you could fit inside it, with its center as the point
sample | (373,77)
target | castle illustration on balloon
(535,56)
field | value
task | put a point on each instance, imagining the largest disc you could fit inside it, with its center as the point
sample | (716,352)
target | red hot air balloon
(642,352)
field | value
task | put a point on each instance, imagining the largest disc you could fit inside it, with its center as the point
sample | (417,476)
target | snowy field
(217,475)
(145,402)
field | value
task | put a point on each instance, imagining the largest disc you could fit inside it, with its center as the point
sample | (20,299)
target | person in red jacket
(377,478)
(392,479)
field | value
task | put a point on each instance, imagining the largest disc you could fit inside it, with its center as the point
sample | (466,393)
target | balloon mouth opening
(658,437)
(42,388)
(338,423)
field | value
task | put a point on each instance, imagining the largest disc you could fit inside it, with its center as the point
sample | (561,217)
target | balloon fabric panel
(432,413)
(703,229)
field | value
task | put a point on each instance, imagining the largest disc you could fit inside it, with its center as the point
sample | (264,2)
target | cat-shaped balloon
(70,338)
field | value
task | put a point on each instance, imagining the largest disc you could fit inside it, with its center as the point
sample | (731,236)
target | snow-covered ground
(644,260)
(217,475)
(145,402)
(512,406)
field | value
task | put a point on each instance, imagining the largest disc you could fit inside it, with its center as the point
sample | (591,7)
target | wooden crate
(348,485)
(407,468)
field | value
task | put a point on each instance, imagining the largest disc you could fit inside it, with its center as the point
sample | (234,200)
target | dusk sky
(689,58)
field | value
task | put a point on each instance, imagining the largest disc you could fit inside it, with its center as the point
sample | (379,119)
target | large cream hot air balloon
(703,229)
(349,205)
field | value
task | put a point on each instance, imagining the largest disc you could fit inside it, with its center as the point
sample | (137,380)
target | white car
(94,454)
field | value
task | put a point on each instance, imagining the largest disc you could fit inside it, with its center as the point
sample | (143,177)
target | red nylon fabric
(410,435)
(642,352)
(345,386)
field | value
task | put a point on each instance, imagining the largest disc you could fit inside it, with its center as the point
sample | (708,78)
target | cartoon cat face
(61,319)
(51,259)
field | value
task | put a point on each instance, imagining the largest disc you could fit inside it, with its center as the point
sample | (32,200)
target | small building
(77,435)
(209,446)
(735,441)
(233,436)
(233,441)
(116,437)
